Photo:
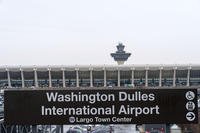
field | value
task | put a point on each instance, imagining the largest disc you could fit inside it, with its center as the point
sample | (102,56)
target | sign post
(101,106)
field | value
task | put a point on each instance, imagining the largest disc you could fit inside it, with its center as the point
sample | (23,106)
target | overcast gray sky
(69,32)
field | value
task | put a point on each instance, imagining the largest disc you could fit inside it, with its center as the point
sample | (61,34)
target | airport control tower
(120,55)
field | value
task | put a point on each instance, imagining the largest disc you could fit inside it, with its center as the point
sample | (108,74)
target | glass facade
(139,77)
(125,78)
(84,78)
(98,78)
(153,78)
(70,78)
(57,78)
(15,78)
(43,78)
(181,77)
(167,78)
(95,78)
(111,78)
(3,79)
(195,77)
(29,80)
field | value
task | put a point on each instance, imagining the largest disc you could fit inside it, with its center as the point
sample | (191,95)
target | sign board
(101,106)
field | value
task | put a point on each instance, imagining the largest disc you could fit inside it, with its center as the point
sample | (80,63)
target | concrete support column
(118,78)
(146,77)
(160,77)
(91,78)
(132,78)
(188,77)
(174,77)
(104,78)
(22,77)
(77,78)
(63,77)
(35,77)
(9,80)
(50,81)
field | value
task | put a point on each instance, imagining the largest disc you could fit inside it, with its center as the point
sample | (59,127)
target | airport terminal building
(132,76)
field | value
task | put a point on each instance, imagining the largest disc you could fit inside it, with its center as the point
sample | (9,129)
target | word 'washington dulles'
(98,97)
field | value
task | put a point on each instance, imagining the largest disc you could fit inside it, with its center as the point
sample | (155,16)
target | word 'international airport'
(100,77)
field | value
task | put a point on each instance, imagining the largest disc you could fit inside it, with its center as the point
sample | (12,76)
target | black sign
(101,106)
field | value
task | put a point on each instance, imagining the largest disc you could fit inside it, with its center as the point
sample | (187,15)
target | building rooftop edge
(103,66)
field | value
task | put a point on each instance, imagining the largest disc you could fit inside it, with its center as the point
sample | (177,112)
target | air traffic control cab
(120,56)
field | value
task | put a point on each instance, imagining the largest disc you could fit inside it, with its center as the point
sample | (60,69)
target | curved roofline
(101,67)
